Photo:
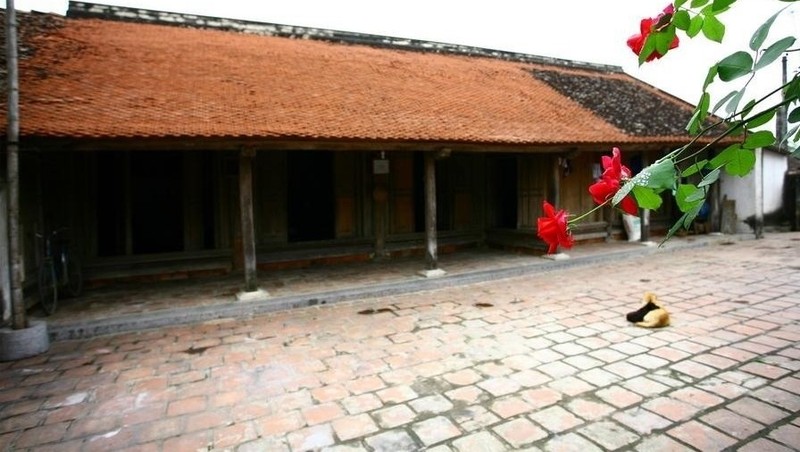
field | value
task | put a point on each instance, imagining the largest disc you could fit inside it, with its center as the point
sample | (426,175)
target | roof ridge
(78,10)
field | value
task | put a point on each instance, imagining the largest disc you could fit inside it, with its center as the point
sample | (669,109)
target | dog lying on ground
(651,315)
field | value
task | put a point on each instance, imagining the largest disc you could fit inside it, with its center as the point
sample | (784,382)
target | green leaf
(760,119)
(713,29)
(733,105)
(734,66)
(712,73)
(761,33)
(759,139)
(721,5)
(700,114)
(742,163)
(681,19)
(663,39)
(698,3)
(694,168)
(725,156)
(684,193)
(748,107)
(695,26)
(658,176)
(648,48)
(709,178)
(646,197)
(774,51)
(794,116)
(724,100)
(622,193)
(679,3)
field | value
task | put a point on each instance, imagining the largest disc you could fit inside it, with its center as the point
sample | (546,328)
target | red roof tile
(107,79)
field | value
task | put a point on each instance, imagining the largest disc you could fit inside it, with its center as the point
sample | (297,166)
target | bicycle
(59,269)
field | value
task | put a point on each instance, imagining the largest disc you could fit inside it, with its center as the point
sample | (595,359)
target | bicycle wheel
(73,278)
(48,293)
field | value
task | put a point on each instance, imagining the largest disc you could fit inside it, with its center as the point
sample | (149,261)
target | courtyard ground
(530,361)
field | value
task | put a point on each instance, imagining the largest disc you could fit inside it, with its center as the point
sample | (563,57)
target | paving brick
(519,432)
(392,440)
(462,377)
(660,443)
(599,377)
(279,424)
(330,393)
(185,406)
(607,355)
(529,378)
(778,397)
(474,417)
(764,445)
(731,423)
(672,409)
(541,397)
(570,386)
(733,353)
(394,416)
(499,386)
(555,419)
(693,368)
(788,435)
(624,369)
(435,430)
(618,396)
(641,421)
(467,394)
(701,436)
(764,370)
(361,403)
(608,434)
(757,410)
(39,436)
(481,441)
(583,362)
(311,438)
(570,442)
(790,384)
(696,397)
(510,406)
(557,369)
(350,427)
(431,404)
(589,409)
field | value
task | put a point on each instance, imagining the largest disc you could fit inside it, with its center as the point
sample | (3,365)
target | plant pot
(24,343)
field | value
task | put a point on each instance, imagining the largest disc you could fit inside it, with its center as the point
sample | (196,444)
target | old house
(177,143)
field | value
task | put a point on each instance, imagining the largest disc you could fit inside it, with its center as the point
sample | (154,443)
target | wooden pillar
(18,315)
(380,201)
(431,247)
(246,211)
(758,182)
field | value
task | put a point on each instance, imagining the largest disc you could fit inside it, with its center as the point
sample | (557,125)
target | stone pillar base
(436,273)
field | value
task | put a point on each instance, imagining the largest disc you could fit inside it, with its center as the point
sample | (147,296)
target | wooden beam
(246,157)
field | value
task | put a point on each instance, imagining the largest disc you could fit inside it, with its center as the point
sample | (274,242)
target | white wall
(742,189)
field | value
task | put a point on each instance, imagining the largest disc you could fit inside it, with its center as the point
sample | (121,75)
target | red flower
(647,26)
(553,228)
(614,172)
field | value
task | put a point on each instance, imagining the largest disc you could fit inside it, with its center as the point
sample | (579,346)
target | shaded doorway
(156,202)
(506,192)
(139,203)
(311,196)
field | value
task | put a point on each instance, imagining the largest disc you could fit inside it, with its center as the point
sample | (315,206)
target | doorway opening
(311,196)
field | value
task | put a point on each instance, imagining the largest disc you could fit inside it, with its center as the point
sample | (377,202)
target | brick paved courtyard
(539,362)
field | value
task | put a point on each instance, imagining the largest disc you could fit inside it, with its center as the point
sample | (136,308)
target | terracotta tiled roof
(90,78)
